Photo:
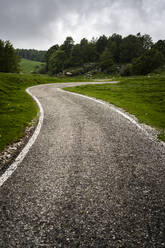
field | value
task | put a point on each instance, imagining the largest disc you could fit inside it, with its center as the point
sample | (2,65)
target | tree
(114,45)
(92,55)
(49,53)
(88,50)
(68,46)
(84,50)
(101,44)
(57,62)
(131,48)
(9,60)
(77,57)
(110,54)
(106,61)
(146,63)
(160,46)
(146,41)
(2,55)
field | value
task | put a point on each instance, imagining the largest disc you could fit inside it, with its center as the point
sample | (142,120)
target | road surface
(91,179)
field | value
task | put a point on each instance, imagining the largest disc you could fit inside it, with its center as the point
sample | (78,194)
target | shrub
(146,63)
(126,70)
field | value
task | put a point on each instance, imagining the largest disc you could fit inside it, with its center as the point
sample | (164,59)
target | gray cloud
(42,23)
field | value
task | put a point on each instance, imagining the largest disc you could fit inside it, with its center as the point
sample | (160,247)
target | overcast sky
(40,24)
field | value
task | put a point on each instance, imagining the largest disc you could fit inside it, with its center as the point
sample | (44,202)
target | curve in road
(91,179)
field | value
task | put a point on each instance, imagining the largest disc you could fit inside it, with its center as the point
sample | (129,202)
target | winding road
(91,179)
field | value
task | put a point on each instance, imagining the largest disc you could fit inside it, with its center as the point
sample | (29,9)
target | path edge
(27,147)
(123,113)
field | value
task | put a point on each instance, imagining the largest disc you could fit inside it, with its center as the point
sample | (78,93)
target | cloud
(42,23)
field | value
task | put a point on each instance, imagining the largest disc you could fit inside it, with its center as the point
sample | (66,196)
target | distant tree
(77,56)
(67,46)
(57,62)
(92,54)
(146,63)
(2,52)
(49,54)
(50,51)
(114,45)
(146,40)
(131,48)
(89,50)
(160,46)
(84,50)
(106,61)
(32,54)
(9,60)
(84,42)
(101,44)
(110,54)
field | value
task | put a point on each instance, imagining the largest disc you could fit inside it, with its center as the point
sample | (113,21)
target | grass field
(17,109)
(28,66)
(143,97)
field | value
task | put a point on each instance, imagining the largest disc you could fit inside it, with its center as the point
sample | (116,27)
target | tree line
(130,55)
(32,54)
(134,54)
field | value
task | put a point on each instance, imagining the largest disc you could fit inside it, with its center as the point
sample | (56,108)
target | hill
(32,54)
(29,66)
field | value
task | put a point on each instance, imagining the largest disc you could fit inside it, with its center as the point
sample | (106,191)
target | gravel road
(92,179)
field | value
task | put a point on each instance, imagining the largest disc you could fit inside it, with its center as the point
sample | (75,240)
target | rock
(68,73)
(7,155)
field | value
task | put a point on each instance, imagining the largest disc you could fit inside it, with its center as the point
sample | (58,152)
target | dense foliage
(9,61)
(134,54)
(32,54)
(131,55)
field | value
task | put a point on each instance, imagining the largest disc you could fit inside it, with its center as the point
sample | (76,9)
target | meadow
(29,66)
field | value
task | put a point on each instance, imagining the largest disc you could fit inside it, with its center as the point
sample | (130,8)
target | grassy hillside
(143,97)
(28,66)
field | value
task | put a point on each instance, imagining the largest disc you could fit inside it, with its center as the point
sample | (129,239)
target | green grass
(143,97)
(17,109)
(28,66)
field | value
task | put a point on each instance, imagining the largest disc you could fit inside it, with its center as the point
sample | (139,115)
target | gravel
(92,179)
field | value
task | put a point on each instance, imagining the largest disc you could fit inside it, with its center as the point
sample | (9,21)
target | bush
(74,72)
(126,70)
(42,69)
(146,63)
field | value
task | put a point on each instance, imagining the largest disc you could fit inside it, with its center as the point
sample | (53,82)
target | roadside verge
(26,149)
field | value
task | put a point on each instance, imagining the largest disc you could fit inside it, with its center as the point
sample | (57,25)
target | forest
(117,55)
(32,54)
(131,55)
